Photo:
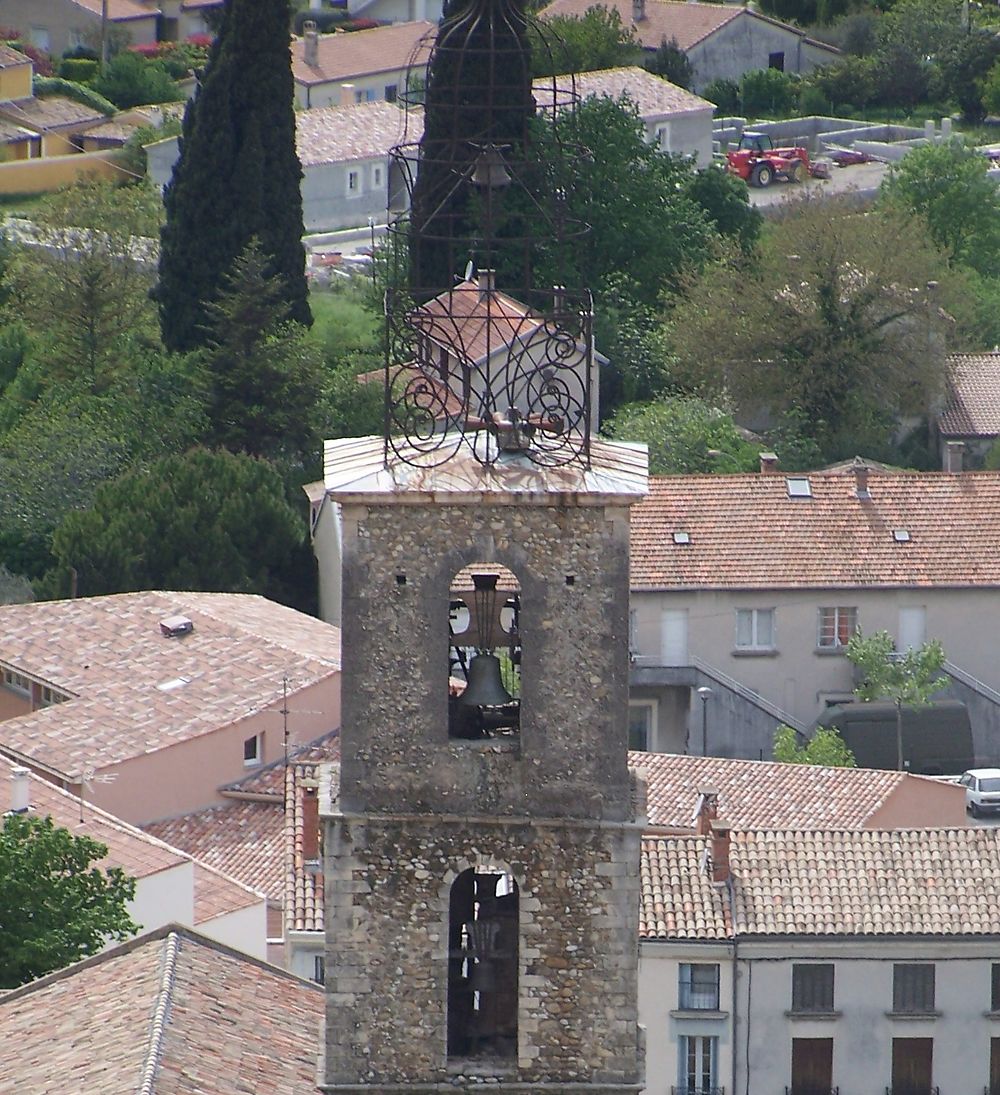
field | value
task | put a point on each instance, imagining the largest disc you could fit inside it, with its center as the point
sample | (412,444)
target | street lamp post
(703,694)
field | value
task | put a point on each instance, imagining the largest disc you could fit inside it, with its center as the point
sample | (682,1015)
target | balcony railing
(912,1089)
(809,1089)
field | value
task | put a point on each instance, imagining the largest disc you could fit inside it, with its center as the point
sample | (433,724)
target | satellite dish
(469,267)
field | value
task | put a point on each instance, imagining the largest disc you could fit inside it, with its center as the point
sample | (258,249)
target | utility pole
(104,34)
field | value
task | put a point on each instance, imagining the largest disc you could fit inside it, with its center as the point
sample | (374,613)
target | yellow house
(15,74)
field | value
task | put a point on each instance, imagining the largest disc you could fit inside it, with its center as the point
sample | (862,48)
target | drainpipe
(736,1000)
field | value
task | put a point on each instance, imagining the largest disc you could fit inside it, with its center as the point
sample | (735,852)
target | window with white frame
(16,682)
(698,986)
(353,182)
(642,725)
(755,629)
(836,626)
(697,1065)
(253,750)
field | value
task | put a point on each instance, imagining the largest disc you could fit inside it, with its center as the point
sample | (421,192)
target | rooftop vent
(173,684)
(174,626)
(799,488)
(682,537)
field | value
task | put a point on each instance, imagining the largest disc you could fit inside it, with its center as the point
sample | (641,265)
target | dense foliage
(238,176)
(826,747)
(56,907)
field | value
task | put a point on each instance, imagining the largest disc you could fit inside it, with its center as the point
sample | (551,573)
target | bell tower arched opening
(484,671)
(483,933)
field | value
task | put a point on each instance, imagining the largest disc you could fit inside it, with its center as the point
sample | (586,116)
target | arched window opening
(482,967)
(484,672)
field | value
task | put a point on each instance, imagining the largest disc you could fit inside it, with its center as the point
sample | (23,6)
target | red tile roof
(747,533)
(304,895)
(764,794)
(170,1013)
(973,408)
(938,882)
(118,10)
(347,56)
(688,23)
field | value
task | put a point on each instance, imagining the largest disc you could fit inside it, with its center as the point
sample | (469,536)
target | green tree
(263,368)
(202,521)
(238,176)
(767,91)
(90,281)
(671,62)
(826,748)
(685,436)
(725,200)
(851,80)
(130,80)
(908,678)
(921,28)
(947,185)
(596,40)
(56,907)
(964,69)
(833,320)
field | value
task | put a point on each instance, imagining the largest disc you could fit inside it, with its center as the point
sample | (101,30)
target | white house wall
(683,135)
(328,202)
(370,88)
(747,43)
(245,929)
(396,11)
(166,897)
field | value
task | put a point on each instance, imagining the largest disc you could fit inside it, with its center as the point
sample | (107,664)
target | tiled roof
(139,854)
(11,58)
(11,132)
(54,112)
(171,1013)
(943,882)
(113,130)
(269,780)
(651,94)
(244,840)
(757,794)
(687,23)
(118,10)
(973,408)
(109,654)
(346,56)
(747,533)
(359,131)
(304,888)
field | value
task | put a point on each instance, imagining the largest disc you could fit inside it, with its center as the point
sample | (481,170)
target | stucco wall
(396,11)
(41,175)
(245,929)
(746,43)
(371,87)
(684,135)
(15,82)
(166,897)
(60,23)
(919,802)
(328,203)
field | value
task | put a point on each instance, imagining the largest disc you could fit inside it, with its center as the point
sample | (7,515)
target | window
(995,993)
(376,177)
(755,628)
(253,749)
(812,987)
(642,725)
(777,61)
(353,182)
(16,682)
(319,970)
(812,1066)
(391,93)
(699,986)
(697,1060)
(51,696)
(913,988)
(836,626)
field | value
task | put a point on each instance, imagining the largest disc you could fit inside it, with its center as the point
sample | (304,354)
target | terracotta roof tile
(973,408)
(108,653)
(651,94)
(118,10)
(747,533)
(763,794)
(359,131)
(304,895)
(346,56)
(170,1013)
(943,882)
(54,112)
(687,23)
(269,780)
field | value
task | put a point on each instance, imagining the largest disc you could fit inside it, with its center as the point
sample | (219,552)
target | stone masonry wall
(387,892)
(572,566)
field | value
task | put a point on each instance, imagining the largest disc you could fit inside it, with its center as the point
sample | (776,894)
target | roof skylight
(799,487)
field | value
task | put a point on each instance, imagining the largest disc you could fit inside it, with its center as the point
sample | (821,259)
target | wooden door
(912,1065)
(812,1066)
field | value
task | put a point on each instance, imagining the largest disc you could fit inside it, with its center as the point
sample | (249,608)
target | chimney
(706,810)
(638,10)
(487,282)
(954,454)
(20,791)
(768,463)
(861,478)
(346,95)
(720,851)
(310,824)
(310,43)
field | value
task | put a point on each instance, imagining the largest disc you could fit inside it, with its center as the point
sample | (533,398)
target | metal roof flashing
(357,470)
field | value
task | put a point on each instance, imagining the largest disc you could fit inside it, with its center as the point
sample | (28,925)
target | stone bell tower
(482,856)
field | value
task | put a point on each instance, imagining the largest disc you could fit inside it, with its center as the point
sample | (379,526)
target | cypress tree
(238,176)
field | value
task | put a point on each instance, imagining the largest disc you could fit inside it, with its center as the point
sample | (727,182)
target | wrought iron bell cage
(489,340)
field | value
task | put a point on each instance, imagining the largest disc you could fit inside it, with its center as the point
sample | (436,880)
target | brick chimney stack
(706,810)
(954,455)
(861,478)
(310,43)
(768,463)
(720,851)
(310,823)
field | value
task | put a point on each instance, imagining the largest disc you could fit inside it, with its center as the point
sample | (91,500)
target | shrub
(813,101)
(53,85)
(767,91)
(42,61)
(324,20)
(671,62)
(725,94)
(850,80)
(81,70)
(130,80)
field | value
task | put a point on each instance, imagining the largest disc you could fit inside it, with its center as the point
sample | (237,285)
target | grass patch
(22,204)
(343,321)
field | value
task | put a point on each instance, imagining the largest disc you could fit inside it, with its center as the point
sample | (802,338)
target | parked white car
(982,790)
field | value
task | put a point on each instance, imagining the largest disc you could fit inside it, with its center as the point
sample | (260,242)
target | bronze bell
(485,688)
